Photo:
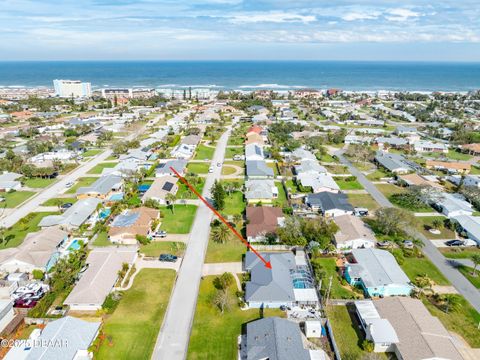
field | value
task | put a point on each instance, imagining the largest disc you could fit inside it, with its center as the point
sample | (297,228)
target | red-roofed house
(263,220)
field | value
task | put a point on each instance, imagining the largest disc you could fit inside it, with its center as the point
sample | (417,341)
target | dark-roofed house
(263,220)
(258,169)
(274,339)
(394,163)
(101,188)
(330,204)
(288,283)
(164,169)
(160,188)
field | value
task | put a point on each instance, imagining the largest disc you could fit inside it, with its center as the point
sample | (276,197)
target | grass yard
(415,267)
(204,152)
(236,139)
(463,321)
(459,252)
(155,248)
(425,223)
(198,168)
(99,168)
(15,235)
(377,175)
(348,185)
(327,158)
(53,201)
(467,272)
(292,187)
(185,193)
(38,182)
(15,198)
(337,169)
(273,166)
(282,196)
(102,239)
(363,200)
(131,332)
(83,181)
(92,152)
(338,291)
(231,251)
(390,189)
(214,335)
(346,331)
(456,155)
(229,170)
(234,204)
(178,221)
(230,152)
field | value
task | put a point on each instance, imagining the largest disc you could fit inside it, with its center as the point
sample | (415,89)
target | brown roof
(262,219)
(352,228)
(417,180)
(472,147)
(255,128)
(421,335)
(449,165)
(141,225)
(254,138)
(161,187)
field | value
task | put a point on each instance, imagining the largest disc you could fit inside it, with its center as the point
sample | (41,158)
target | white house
(353,233)
(254,152)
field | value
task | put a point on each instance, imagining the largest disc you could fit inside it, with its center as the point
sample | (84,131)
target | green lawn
(390,189)
(234,204)
(52,202)
(338,291)
(198,168)
(415,267)
(292,187)
(99,168)
(274,167)
(92,152)
(214,335)
(131,331)
(235,139)
(102,239)
(15,198)
(231,251)
(463,321)
(230,152)
(377,175)
(363,200)
(38,182)
(455,155)
(459,253)
(185,193)
(346,331)
(337,169)
(327,158)
(468,273)
(282,197)
(14,235)
(83,181)
(228,170)
(155,248)
(178,221)
(348,185)
(425,223)
(204,152)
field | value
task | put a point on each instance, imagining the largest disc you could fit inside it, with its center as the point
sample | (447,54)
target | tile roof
(262,219)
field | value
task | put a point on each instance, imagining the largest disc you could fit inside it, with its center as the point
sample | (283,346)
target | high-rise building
(72,88)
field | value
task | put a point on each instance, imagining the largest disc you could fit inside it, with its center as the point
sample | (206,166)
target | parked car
(66,206)
(168,257)
(455,242)
(69,184)
(361,211)
(408,244)
(26,304)
(210,170)
(384,244)
(219,164)
(160,234)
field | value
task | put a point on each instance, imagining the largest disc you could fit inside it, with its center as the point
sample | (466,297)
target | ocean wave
(271,86)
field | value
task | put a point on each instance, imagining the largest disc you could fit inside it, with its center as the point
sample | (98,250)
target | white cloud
(272,17)
(357,15)
(400,14)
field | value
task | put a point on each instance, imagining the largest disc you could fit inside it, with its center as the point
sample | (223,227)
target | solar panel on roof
(125,219)
(167,186)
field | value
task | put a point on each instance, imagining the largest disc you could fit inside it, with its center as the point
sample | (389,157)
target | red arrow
(222,219)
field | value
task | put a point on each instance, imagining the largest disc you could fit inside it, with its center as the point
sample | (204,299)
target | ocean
(249,75)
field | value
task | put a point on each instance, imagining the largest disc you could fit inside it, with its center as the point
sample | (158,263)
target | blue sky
(240,29)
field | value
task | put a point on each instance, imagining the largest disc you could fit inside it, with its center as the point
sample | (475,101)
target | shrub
(142,239)
(368,346)
(111,302)
(37,274)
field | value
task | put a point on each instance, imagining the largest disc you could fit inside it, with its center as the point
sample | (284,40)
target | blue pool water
(104,213)
(116,197)
(75,245)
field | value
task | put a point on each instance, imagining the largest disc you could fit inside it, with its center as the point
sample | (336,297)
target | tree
(291,232)
(5,237)
(224,281)
(218,195)
(221,234)
(58,203)
(450,302)
(476,261)
(170,199)
(222,300)
(437,224)
(394,221)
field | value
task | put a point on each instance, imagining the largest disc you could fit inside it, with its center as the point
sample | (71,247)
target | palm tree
(171,198)
(221,234)
(451,302)
(476,262)
(423,282)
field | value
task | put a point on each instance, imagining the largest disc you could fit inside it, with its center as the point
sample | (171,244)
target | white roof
(305,295)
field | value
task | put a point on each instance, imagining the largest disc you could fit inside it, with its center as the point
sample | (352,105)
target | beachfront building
(72,88)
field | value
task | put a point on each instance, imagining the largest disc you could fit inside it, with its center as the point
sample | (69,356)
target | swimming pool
(116,197)
(301,278)
(104,213)
(75,245)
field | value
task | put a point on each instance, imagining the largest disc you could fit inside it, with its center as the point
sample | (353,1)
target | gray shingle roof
(329,201)
(74,216)
(258,168)
(392,161)
(103,185)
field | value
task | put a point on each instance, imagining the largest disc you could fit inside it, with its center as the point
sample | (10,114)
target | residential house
(126,226)
(393,142)
(38,251)
(472,180)
(260,191)
(418,180)
(100,277)
(468,226)
(309,167)
(8,182)
(357,139)
(377,330)
(276,339)
(318,182)
(330,204)
(451,205)
(472,149)
(254,138)
(160,188)
(420,335)
(377,272)
(183,151)
(405,130)
(165,168)
(449,166)
(263,220)
(428,146)
(255,129)
(302,154)
(353,233)
(67,338)
(258,169)
(74,216)
(254,152)
(125,168)
(394,163)
(136,154)
(102,188)
(288,283)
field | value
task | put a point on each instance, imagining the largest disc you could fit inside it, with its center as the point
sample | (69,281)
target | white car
(210,170)
(69,184)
